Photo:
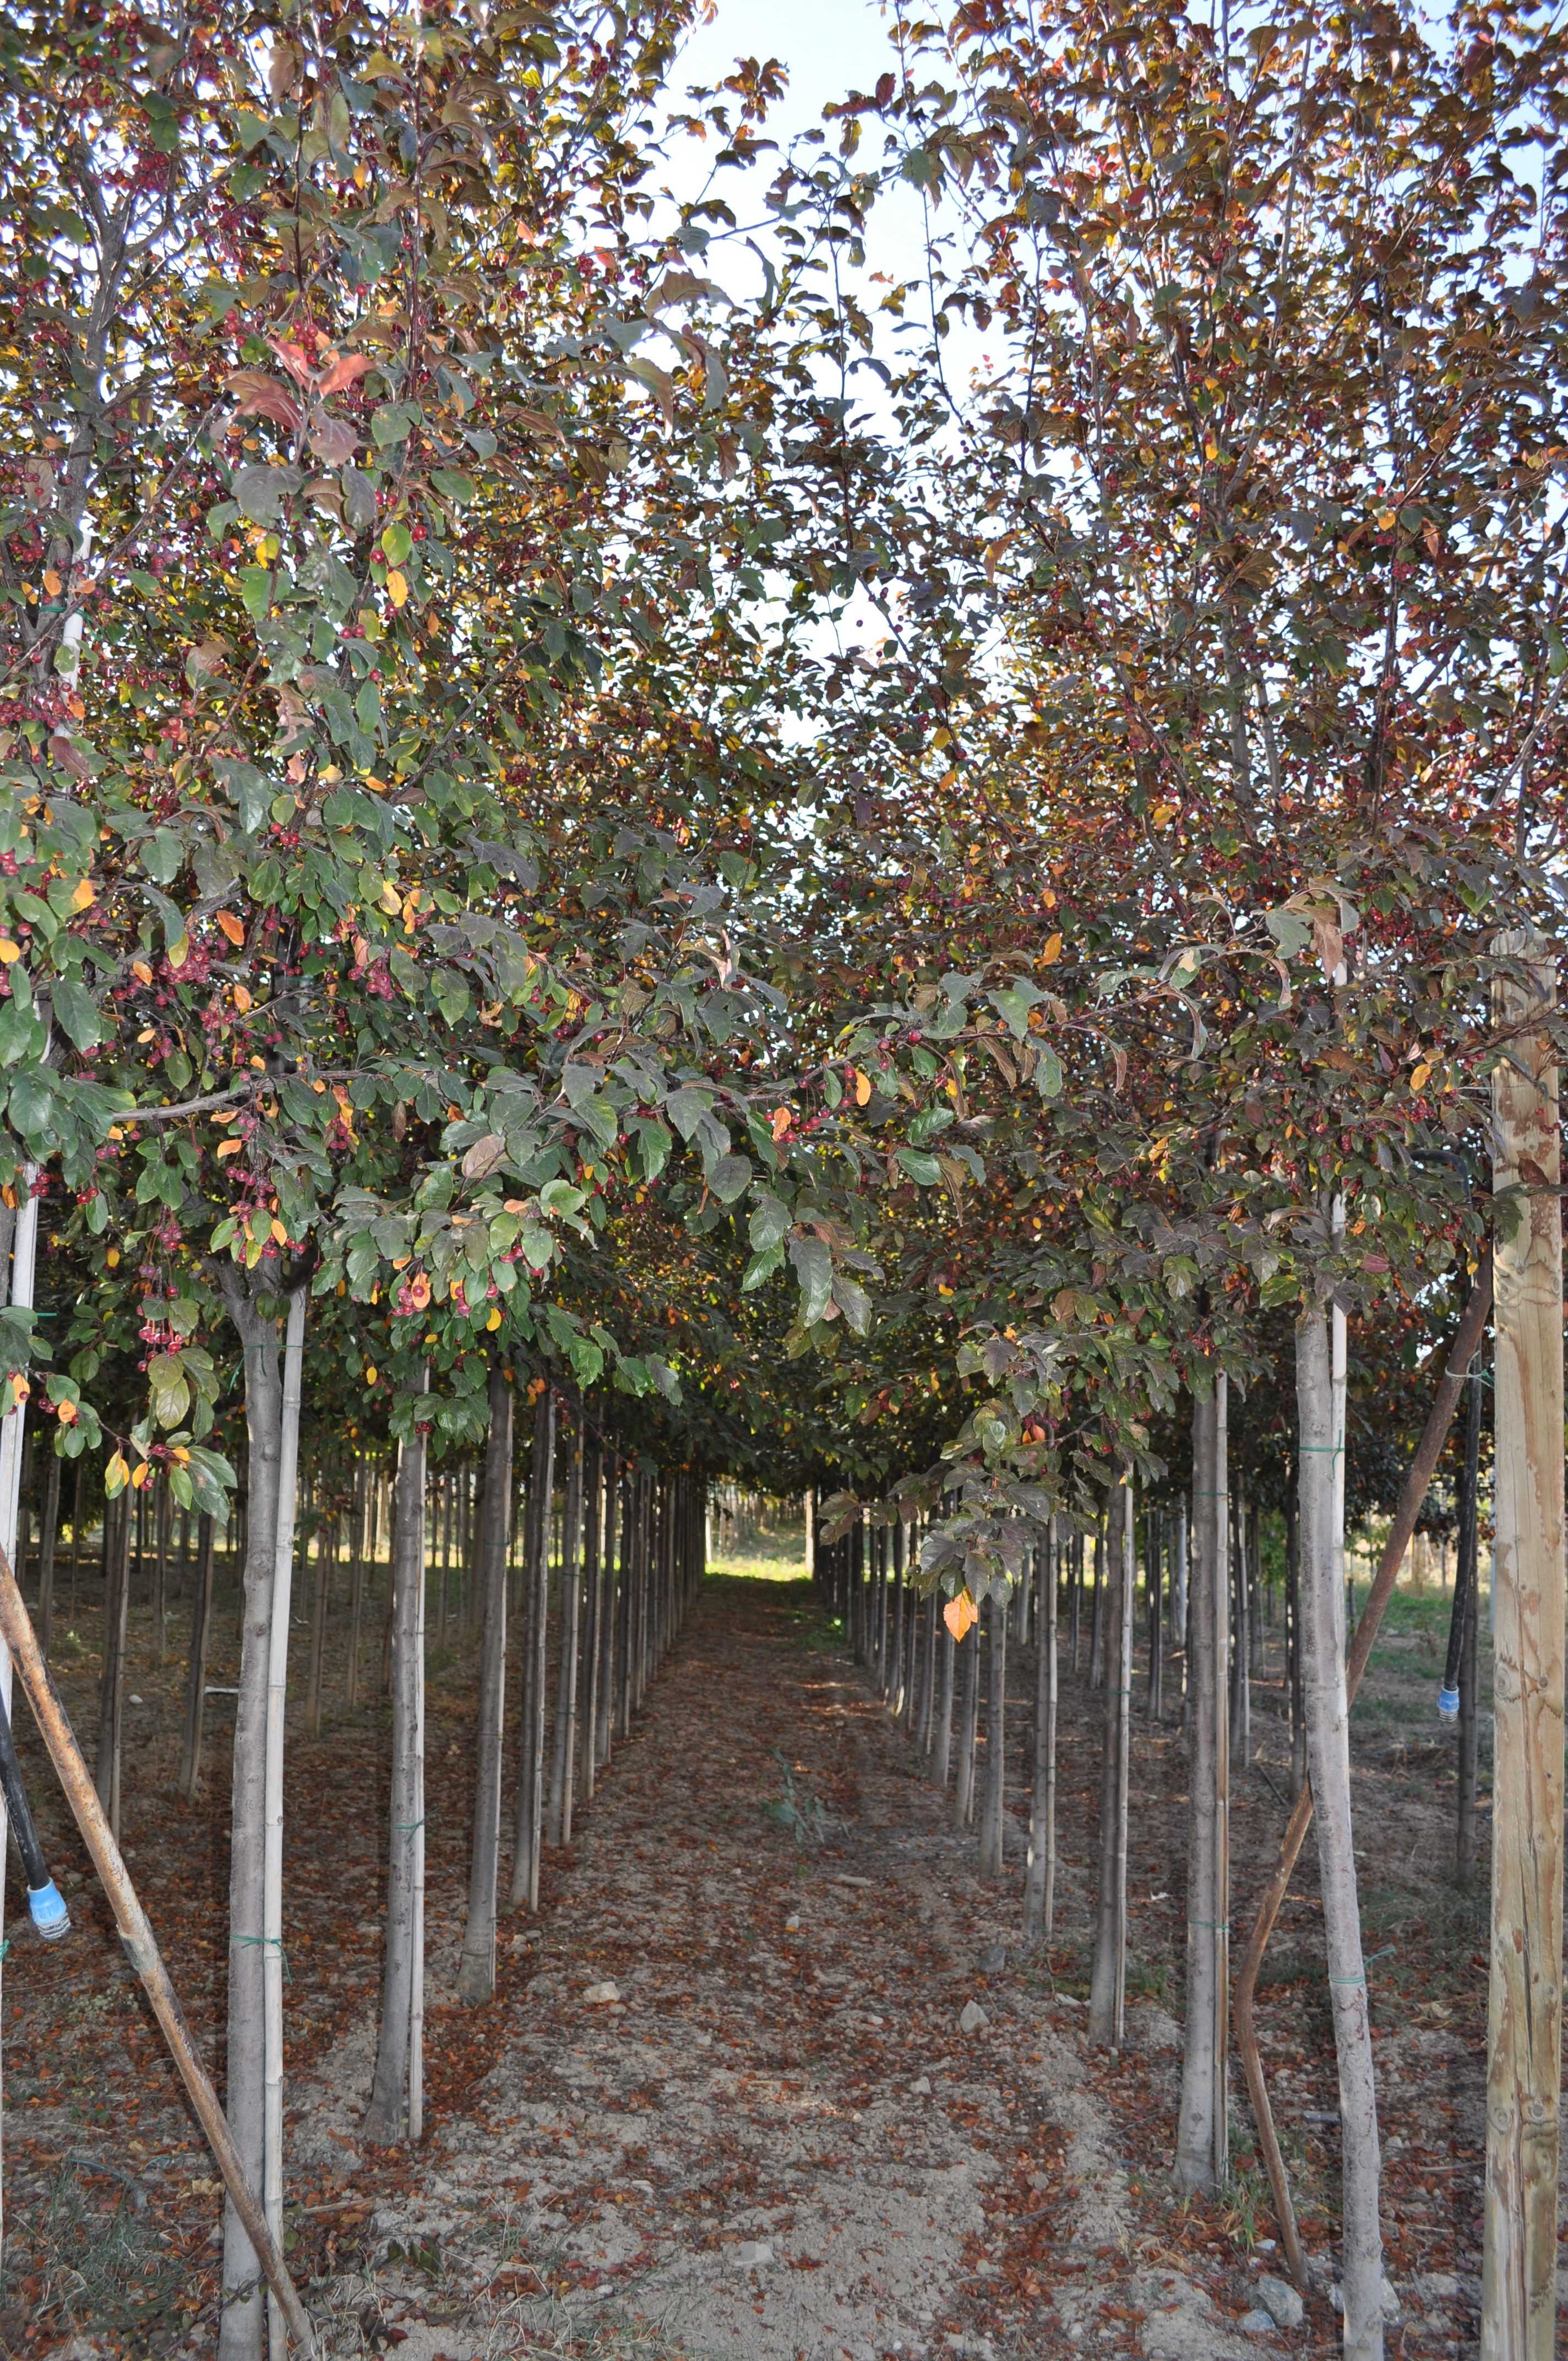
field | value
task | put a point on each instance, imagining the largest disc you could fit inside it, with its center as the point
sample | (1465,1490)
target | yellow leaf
(959,1613)
(118,1475)
(229,1147)
(1211,448)
(862,1089)
(1051,951)
(86,893)
(52,582)
(231,927)
(370,1373)
(1420,1075)
(397,587)
(241,998)
(141,971)
(113,1256)
(280,1233)
(67,1413)
(1162,812)
(390,900)
(139,1475)
(180,951)
(9,951)
(1386,521)
(18,1387)
(494,1319)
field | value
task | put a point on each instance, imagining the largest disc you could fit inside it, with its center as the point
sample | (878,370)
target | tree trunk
(240,2331)
(1241,1652)
(967,1657)
(1040,1879)
(361,1513)
(476,1969)
(1293,1648)
(196,1677)
(993,1807)
(387,2117)
(1202,2129)
(112,1678)
(531,1755)
(1156,1618)
(1458,1695)
(272,1853)
(614,1507)
(47,1535)
(1108,1974)
(1320,1395)
(563,1763)
(326,1549)
(1524,2025)
(942,1741)
(1097,1614)
(593,1604)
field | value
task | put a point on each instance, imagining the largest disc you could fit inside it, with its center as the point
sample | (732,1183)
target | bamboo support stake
(1418,1482)
(1524,2031)
(15,1628)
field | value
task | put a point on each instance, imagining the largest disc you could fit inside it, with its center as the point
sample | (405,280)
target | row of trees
(476,895)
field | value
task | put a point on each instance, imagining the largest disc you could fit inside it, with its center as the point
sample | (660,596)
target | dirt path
(730,2111)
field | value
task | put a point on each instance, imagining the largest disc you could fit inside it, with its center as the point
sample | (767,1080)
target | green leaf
(77,1013)
(453,485)
(813,1270)
(920,1166)
(255,590)
(730,1178)
(1047,1073)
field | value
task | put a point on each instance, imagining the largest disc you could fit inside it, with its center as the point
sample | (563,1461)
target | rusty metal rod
(15,1627)
(1423,1466)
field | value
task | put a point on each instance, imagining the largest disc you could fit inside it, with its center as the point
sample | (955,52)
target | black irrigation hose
(45,1904)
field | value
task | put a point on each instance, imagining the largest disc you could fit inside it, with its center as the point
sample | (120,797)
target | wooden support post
(1524,2032)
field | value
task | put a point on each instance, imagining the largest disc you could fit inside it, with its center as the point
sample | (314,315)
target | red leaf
(346,368)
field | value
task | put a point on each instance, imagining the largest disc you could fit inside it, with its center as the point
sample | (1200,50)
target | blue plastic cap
(1448,1704)
(49,1915)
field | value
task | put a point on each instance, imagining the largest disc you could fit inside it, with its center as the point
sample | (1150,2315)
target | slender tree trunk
(1156,1619)
(1320,1395)
(530,1760)
(942,1745)
(587,1725)
(327,1547)
(1524,2025)
(1097,1614)
(243,2319)
(1240,1653)
(968,1655)
(272,1850)
(112,1679)
(1293,1647)
(1459,1673)
(1040,1879)
(75,1539)
(609,1607)
(476,1969)
(356,1578)
(992,1811)
(47,1535)
(928,1675)
(386,2119)
(1108,1977)
(1202,2129)
(564,1765)
(196,1678)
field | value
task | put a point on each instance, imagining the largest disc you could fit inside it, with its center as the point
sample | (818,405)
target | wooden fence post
(1524,2033)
